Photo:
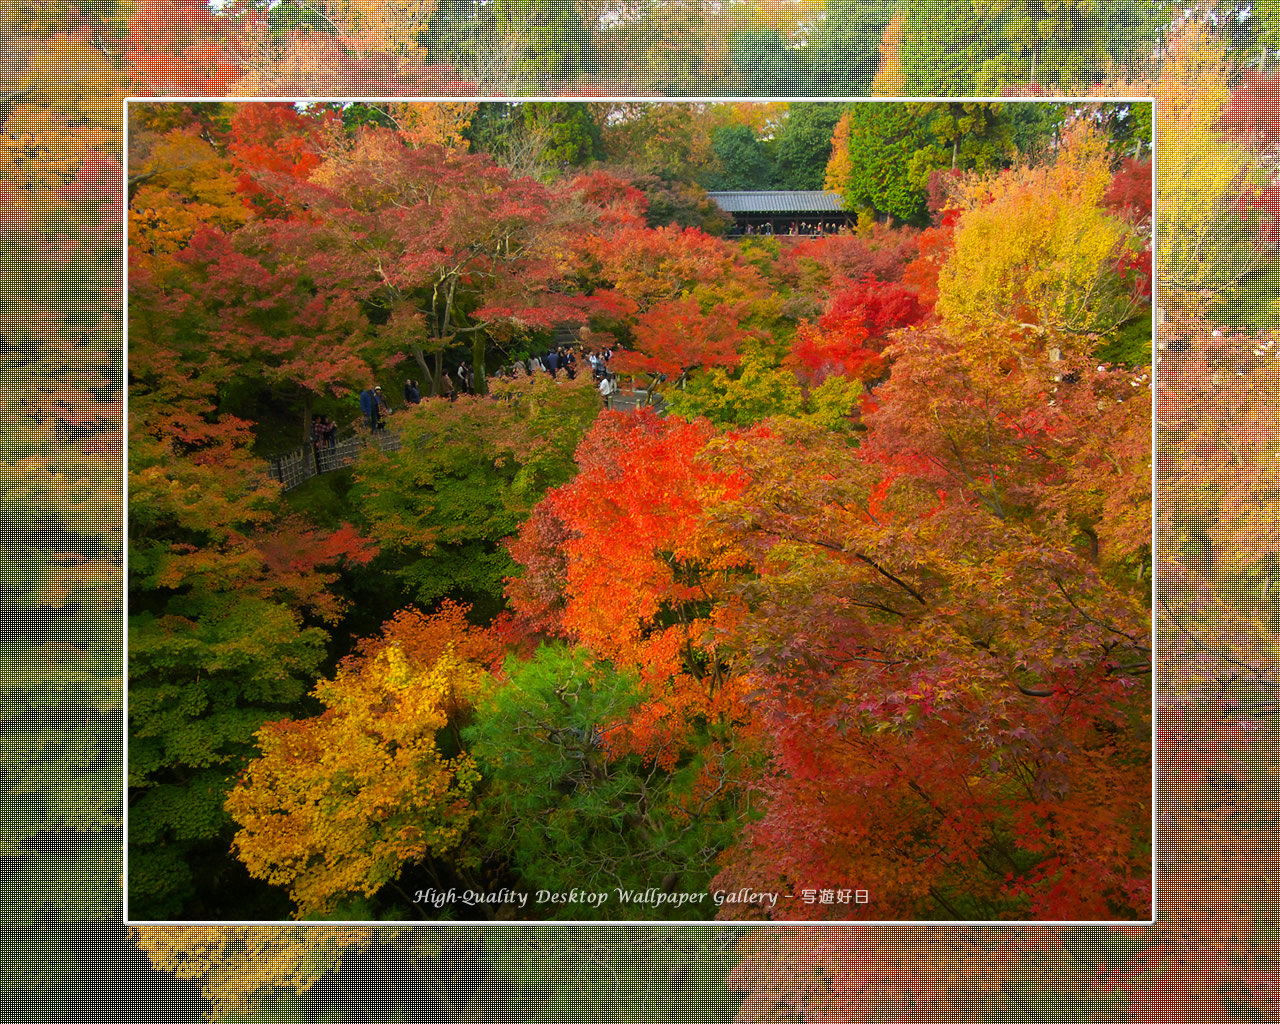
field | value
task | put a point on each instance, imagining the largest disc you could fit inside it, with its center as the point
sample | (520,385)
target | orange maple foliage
(639,566)
(182,48)
(675,336)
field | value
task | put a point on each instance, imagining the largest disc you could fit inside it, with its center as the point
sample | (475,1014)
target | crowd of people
(375,409)
(814,228)
(563,359)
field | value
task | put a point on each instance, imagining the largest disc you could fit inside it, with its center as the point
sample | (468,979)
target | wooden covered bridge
(784,213)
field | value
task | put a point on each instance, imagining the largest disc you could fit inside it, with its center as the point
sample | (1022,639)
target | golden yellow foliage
(439,123)
(1036,250)
(339,803)
(237,967)
(889,80)
(186,184)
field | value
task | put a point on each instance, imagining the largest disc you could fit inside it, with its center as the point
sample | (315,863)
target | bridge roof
(778,202)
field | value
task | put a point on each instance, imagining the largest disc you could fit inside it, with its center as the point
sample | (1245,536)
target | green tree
(957,47)
(1048,42)
(844,52)
(884,153)
(802,145)
(537,139)
(882,139)
(558,44)
(467,474)
(571,131)
(764,65)
(746,162)
(961,136)
(568,814)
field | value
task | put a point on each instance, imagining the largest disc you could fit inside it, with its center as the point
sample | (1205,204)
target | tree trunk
(308,442)
(420,358)
(479,385)
(308,401)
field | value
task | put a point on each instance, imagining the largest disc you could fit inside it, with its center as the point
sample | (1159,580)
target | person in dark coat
(369,406)
(412,396)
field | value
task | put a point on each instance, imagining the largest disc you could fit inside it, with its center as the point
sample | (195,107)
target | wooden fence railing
(296,467)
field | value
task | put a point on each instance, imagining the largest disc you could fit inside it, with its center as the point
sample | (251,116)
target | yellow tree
(889,80)
(338,804)
(240,969)
(1207,239)
(1035,249)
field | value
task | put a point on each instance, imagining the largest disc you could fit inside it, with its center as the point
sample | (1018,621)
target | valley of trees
(590,49)
(1210,953)
(864,608)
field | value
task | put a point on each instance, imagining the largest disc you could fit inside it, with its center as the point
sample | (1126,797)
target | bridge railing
(298,466)
(294,468)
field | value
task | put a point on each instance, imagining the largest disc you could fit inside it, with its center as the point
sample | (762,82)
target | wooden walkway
(298,466)
(295,468)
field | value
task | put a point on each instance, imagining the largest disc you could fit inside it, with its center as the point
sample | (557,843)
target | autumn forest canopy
(695,48)
(850,595)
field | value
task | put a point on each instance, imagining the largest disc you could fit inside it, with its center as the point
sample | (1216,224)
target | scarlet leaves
(640,566)
(273,139)
(181,48)
(676,335)
(883,306)
(841,349)
(848,337)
